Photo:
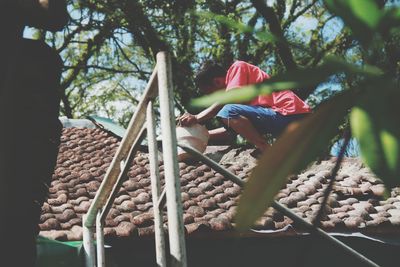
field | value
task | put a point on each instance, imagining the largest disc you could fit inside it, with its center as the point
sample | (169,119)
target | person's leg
(220,136)
(245,128)
(237,117)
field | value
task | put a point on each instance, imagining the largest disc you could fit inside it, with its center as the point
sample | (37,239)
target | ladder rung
(162,199)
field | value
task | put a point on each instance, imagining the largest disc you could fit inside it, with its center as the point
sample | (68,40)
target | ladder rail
(134,127)
(89,249)
(101,257)
(162,200)
(155,187)
(123,174)
(110,179)
(176,231)
(160,83)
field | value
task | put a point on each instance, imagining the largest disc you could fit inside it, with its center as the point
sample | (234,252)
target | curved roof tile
(209,200)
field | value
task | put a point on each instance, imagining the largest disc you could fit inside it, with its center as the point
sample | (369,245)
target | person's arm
(49,15)
(189,119)
(208,113)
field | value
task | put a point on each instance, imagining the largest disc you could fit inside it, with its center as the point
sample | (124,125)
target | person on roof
(30,133)
(264,114)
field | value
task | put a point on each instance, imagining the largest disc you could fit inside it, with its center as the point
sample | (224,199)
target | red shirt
(285,102)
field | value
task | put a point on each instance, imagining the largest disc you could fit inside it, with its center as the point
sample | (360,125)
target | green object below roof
(52,253)
(108,125)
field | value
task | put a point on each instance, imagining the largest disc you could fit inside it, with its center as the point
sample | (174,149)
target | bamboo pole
(88,244)
(101,257)
(171,170)
(155,187)
(134,127)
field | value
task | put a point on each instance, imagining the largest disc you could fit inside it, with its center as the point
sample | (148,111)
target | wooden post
(101,258)
(171,170)
(155,187)
(88,244)
(132,132)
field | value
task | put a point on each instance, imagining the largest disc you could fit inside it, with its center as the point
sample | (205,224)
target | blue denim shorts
(265,120)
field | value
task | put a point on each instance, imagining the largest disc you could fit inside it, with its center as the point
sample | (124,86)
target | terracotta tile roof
(209,200)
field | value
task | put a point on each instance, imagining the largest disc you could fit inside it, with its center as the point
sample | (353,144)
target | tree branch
(143,74)
(284,52)
(292,17)
(139,23)
(100,68)
(92,46)
(243,46)
(68,38)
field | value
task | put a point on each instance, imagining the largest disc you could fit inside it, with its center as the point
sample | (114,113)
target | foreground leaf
(361,16)
(299,78)
(263,36)
(375,124)
(390,19)
(300,144)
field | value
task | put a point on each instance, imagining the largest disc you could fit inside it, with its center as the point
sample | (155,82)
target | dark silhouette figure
(29,127)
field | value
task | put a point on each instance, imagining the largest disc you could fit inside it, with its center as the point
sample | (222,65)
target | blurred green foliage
(108,48)
(370,97)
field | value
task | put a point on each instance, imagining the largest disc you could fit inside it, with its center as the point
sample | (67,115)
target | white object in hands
(195,136)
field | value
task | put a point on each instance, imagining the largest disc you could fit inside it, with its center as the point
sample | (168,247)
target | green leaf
(293,79)
(300,144)
(375,124)
(361,16)
(240,27)
(391,150)
(390,19)
(243,95)
(266,37)
(231,23)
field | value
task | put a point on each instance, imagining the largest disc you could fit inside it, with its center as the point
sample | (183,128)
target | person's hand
(188,119)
